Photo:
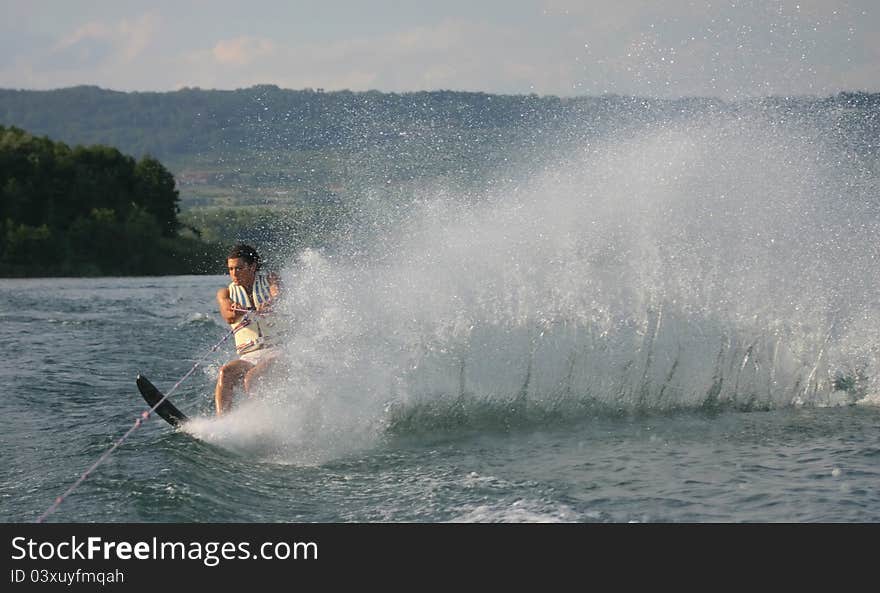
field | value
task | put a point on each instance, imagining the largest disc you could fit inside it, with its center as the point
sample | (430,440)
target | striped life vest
(253,332)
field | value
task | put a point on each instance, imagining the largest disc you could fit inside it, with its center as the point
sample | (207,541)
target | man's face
(241,272)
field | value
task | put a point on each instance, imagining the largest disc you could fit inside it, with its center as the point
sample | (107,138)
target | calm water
(76,345)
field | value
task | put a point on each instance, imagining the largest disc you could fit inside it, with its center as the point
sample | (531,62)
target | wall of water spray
(724,260)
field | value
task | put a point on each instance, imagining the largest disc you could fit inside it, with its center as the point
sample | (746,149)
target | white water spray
(730,260)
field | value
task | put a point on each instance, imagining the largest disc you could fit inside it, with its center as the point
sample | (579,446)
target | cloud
(125,40)
(119,54)
(451,54)
(563,47)
(242,50)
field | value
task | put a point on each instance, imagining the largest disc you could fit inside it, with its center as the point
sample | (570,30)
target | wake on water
(728,261)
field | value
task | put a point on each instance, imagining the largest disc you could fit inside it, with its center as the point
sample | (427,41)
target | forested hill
(172,124)
(307,143)
(89,210)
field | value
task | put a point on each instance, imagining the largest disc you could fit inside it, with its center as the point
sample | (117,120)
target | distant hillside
(193,121)
(265,145)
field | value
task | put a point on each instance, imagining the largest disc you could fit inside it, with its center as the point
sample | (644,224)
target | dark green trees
(86,210)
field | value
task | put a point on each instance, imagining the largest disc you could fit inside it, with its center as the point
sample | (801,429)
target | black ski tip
(153,397)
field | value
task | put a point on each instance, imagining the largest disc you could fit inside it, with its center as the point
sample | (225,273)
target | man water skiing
(246,305)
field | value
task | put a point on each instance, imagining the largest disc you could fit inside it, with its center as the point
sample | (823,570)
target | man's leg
(231,374)
(254,376)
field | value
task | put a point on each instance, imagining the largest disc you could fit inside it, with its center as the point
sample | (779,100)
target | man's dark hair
(245,252)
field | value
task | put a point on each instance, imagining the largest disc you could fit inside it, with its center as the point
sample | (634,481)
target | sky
(664,48)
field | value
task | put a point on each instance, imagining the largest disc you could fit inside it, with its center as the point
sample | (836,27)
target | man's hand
(227,306)
(274,284)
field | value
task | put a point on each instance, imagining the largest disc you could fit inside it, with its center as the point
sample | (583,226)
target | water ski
(166,409)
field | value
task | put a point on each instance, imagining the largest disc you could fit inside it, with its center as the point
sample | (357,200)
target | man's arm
(225,303)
